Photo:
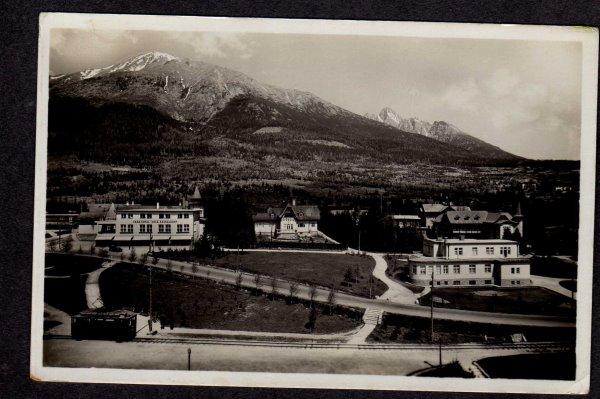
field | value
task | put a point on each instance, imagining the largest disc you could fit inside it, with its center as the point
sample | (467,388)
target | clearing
(312,268)
(525,300)
(202,303)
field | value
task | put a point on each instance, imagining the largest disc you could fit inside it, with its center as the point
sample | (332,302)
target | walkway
(396,292)
(92,288)
(553,284)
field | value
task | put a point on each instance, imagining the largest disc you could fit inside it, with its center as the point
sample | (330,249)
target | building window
(123,229)
(438,282)
(142,216)
(422,269)
(201,213)
(472,269)
(456,282)
(446,269)
(518,282)
(164,228)
(488,268)
(142,226)
(183,228)
(504,251)
(300,224)
(445,282)
(474,249)
(438,269)
(456,269)
(489,250)
(472,282)
(414,269)
(186,215)
(161,215)
(458,251)
(518,270)
(488,281)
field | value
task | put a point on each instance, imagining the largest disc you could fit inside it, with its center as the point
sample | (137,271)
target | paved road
(553,284)
(227,357)
(303,291)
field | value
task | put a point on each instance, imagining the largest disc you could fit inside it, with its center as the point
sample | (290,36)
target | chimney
(157,205)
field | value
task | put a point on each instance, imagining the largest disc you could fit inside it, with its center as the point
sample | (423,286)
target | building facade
(290,222)
(478,224)
(155,227)
(470,262)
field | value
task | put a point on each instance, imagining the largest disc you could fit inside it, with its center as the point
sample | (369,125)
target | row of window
(458,282)
(160,215)
(445,269)
(488,251)
(148,229)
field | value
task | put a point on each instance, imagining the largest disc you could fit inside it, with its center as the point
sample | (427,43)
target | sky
(522,96)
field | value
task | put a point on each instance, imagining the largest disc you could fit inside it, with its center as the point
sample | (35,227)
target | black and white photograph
(314,203)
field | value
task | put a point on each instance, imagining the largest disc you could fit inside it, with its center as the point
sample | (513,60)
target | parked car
(114,248)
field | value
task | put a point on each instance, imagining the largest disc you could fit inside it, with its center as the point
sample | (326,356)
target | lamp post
(189,352)
(150,300)
(431,301)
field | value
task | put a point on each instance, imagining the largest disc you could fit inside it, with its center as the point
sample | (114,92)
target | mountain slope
(441,131)
(191,103)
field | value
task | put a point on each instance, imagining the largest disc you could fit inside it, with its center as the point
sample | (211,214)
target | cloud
(216,45)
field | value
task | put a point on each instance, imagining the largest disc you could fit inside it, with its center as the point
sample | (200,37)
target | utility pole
(431,301)
(189,358)
(150,301)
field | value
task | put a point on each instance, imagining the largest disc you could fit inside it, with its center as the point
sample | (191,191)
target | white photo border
(588,37)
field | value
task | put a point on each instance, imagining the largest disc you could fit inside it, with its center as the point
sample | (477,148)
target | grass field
(526,300)
(546,366)
(313,268)
(201,303)
(58,264)
(551,266)
(64,288)
(407,329)
(447,370)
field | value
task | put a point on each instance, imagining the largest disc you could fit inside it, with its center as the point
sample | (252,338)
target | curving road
(408,309)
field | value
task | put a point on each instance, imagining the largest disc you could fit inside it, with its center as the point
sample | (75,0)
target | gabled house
(477,224)
(430,212)
(288,222)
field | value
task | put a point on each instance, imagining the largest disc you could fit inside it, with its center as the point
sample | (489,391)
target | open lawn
(202,303)
(58,264)
(525,300)
(551,266)
(408,329)
(539,366)
(313,268)
(64,285)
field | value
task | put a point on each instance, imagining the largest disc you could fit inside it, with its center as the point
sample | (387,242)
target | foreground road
(223,357)
(303,291)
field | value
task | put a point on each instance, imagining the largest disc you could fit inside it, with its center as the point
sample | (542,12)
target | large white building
(155,227)
(470,262)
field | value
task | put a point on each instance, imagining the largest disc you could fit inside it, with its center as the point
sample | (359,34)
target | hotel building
(470,262)
(155,227)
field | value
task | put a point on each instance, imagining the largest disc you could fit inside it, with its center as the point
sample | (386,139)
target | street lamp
(357,222)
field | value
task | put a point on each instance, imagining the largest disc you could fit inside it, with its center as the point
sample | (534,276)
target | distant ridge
(441,131)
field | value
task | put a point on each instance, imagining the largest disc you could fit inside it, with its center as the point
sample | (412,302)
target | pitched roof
(434,208)
(300,212)
(475,217)
(466,217)
(271,215)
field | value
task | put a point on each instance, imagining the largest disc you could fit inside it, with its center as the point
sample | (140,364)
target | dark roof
(300,212)
(475,217)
